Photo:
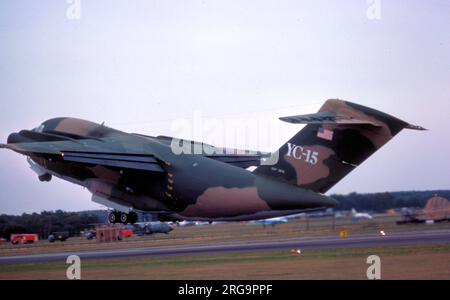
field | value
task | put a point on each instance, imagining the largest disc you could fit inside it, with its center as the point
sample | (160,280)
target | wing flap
(113,156)
(238,158)
(118,160)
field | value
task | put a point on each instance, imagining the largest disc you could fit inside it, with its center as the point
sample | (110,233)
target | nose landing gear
(124,218)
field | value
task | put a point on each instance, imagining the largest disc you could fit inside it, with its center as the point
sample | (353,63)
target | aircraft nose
(14,138)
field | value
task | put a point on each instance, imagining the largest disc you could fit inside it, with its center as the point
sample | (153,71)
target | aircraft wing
(49,148)
(88,152)
(236,157)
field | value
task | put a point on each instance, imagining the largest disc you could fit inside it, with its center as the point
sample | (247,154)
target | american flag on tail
(325,134)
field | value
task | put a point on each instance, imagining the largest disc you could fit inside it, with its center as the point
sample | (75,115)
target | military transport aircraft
(186,180)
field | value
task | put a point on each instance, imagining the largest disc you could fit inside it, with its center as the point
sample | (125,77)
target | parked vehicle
(25,238)
(126,233)
(58,236)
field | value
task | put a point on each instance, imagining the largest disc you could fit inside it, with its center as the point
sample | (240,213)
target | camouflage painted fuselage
(143,173)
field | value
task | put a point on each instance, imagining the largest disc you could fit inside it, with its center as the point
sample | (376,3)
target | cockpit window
(39,129)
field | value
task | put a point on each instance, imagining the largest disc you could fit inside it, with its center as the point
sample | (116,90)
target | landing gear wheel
(132,217)
(113,217)
(124,218)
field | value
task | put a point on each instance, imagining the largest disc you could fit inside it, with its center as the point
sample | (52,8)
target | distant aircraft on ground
(178,180)
(272,221)
(437,209)
(360,215)
(152,227)
(194,223)
(185,223)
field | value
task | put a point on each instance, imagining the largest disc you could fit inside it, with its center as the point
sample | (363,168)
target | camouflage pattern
(144,174)
(437,208)
(354,133)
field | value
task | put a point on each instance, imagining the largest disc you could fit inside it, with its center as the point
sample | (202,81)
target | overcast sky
(140,66)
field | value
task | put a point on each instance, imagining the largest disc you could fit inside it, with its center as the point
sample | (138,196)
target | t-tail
(335,141)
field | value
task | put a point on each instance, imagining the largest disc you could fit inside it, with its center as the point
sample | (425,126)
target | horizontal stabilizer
(327,118)
(334,118)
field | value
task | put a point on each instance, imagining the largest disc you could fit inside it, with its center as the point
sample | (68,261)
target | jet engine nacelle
(45,177)
(41,172)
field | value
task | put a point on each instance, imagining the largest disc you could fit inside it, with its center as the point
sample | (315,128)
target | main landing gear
(124,218)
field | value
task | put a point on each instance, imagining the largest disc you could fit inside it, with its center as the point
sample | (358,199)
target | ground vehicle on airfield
(25,238)
(59,236)
(126,233)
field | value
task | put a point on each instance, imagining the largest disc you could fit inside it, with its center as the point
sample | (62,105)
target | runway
(304,243)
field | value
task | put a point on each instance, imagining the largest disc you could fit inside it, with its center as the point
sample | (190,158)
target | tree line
(379,202)
(47,222)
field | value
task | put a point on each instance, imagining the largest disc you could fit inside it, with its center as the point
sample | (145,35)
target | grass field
(406,262)
(400,262)
(225,232)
